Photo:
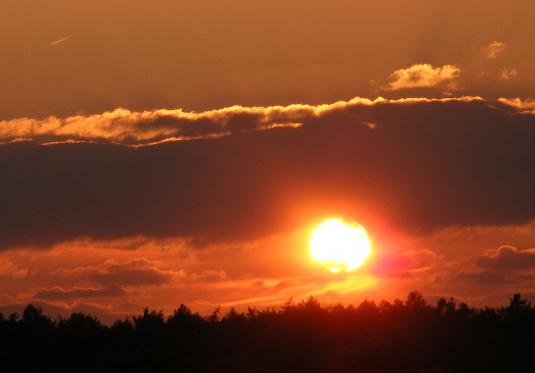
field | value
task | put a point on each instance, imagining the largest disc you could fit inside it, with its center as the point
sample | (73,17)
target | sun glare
(340,246)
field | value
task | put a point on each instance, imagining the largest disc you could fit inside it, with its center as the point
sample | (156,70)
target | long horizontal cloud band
(418,164)
(141,128)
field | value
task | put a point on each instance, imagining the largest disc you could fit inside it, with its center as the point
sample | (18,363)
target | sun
(340,246)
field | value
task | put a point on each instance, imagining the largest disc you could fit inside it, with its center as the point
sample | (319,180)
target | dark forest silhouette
(409,336)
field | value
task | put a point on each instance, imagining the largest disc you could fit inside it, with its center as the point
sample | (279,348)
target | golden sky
(62,57)
(166,152)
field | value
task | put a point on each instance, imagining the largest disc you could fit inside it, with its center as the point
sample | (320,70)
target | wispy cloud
(508,74)
(494,49)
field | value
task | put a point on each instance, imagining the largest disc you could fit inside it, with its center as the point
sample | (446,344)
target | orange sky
(204,54)
(166,152)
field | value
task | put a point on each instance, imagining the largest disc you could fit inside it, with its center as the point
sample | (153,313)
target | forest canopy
(399,336)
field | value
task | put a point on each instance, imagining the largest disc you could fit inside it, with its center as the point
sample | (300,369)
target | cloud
(526,106)
(10,269)
(427,164)
(136,272)
(490,278)
(494,49)
(504,268)
(508,258)
(208,276)
(425,76)
(405,264)
(60,294)
(508,74)
(135,129)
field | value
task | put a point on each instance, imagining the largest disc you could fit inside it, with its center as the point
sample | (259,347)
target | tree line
(399,336)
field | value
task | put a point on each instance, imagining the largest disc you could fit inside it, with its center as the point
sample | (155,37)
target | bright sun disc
(339,246)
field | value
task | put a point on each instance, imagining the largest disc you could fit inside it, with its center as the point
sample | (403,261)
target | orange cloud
(425,76)
(57,293)
(125,127)
(520,104)
(10,269)
(120,280)
(494,49)
(508,74)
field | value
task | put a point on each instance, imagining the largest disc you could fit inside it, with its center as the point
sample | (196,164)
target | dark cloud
(110,274)
(506,266)
(508,258)
(135,273)
(424,165)
(60,294)
(508,279)
(488,278)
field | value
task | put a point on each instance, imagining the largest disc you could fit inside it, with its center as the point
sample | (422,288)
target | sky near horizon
(166,152)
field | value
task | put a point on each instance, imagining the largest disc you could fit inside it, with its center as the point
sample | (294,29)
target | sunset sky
(161,152)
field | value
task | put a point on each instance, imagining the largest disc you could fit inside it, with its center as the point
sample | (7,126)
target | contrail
(60,40)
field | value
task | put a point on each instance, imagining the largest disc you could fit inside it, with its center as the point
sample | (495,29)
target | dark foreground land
(409,336)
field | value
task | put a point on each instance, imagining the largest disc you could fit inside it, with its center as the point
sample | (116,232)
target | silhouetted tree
(410,336)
